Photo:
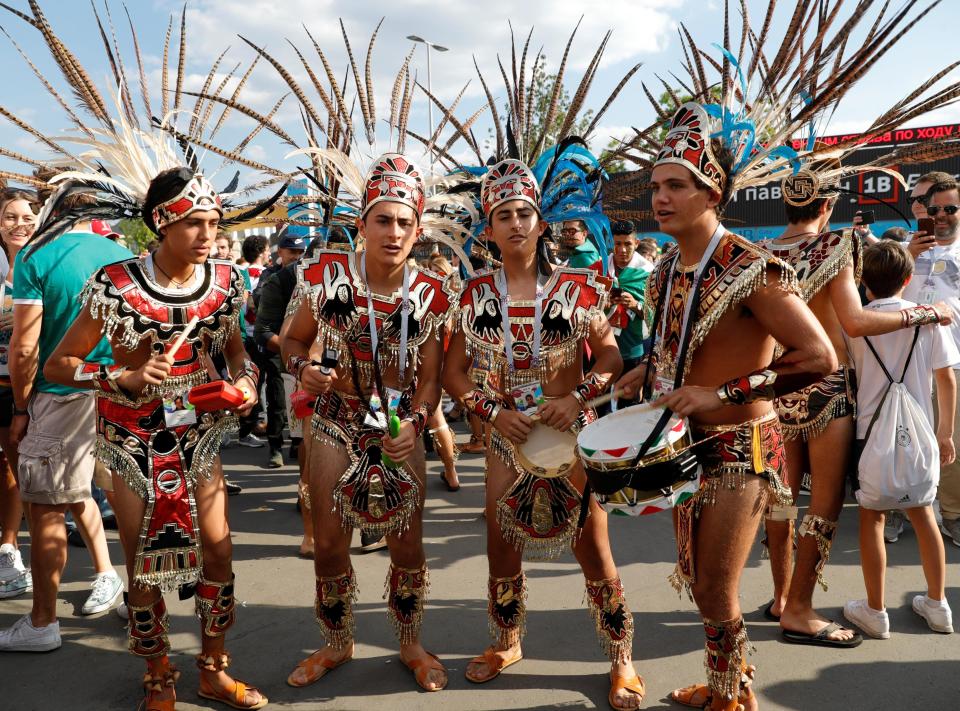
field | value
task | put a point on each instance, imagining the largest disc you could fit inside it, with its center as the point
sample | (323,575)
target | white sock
(942,604)
(876,612)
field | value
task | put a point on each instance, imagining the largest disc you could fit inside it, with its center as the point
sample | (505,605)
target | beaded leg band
(822,531)
(213,662)
(405,592)
(726,647)
(612,617)
(148,630)
(216,606)
(507,607)
(160,674)
(334,608)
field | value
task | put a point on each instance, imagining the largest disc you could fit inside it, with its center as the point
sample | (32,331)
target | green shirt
(53,278)
(632,279)
(584,256)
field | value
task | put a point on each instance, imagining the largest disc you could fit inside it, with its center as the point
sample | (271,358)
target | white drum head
(618,436)
(548,452)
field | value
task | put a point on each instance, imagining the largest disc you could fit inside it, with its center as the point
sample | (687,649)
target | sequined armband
(418,418)
(248,370)
(748,388)
(103,377)
(592,386)
(483,406)
(922,315)
(295,364)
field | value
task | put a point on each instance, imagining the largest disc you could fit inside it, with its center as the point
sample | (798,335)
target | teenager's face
(573,233)
(192,238)
(390,230)
(17,224)
(678,204)
(945,226)
(623,248)
(515,227)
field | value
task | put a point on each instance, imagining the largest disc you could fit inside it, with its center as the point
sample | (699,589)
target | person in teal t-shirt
(577,244)
(52,279)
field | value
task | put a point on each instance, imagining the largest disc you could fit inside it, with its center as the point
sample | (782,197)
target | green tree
(136,235)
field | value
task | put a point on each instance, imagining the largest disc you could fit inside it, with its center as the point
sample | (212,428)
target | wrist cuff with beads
(921,315)
(483,406)
(103,377)
(748,388)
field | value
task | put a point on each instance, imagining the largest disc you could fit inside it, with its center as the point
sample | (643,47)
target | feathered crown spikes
(688,144)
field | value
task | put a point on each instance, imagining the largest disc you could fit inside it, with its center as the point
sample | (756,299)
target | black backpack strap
(890,380)
(913,344)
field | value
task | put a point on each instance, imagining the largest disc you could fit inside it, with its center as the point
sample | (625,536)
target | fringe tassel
(725,659)
(507,607)
(613,620)
(405,591)
(333,608)
(837,407)
(822,531)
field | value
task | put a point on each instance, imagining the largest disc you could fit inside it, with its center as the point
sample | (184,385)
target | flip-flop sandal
(446,483)
(316,669)
(421,666)
(822,638)
(768,612)
(494,663)
(235,698)
(630,683)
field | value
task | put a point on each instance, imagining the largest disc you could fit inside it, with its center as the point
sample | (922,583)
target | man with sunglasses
(921,241)
(936,277)
(580,250)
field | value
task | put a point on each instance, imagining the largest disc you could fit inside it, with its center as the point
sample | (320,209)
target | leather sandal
(633,684)
(234,698)
(494,663)
(316,668)
(699,696)
(421,666)
(475,446)
(154,681)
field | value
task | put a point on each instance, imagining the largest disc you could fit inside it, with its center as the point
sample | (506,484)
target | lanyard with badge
(938,265)
(529,396)
(376,417)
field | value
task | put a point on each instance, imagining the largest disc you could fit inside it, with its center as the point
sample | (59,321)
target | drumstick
(183,336)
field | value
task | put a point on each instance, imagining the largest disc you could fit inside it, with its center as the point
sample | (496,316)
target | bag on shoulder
(899,465)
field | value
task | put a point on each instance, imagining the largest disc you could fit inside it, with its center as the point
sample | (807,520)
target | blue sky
(644,31)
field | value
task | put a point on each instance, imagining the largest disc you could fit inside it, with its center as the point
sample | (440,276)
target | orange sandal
(494,663)
(421,666)
(633,684)
(698,696)
(235,698)
(316,669)
(154,681)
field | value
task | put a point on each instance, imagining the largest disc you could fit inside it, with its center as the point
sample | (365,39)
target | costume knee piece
(507,605)
(334,608)
(216,606)
(405,592)
(612,617)
(726,652)
(148,629)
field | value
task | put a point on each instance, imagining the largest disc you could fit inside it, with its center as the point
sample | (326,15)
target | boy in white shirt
(887,268)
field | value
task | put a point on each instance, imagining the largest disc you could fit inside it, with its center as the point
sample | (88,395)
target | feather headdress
(116,150)
(736,130)
(349,172)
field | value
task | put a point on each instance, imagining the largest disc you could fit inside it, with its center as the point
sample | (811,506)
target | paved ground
(914,669)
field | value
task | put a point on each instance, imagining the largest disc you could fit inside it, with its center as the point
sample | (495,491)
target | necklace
(176,282)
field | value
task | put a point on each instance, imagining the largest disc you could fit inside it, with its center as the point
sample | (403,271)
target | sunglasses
(916,198)
(569,232)
(934,210)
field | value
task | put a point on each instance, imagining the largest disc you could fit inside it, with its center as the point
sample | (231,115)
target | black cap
(622,227)
(289,241)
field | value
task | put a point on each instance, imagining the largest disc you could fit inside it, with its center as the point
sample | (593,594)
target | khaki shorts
(56,455)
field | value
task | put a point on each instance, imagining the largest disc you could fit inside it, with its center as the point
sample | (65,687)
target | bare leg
(592,551)
(829,458)
(214,524)
(873,556)
(89,522)
(11,508)
(331,543)
(406,551)
(780,533)
(932,555)
(303,458)
(724,534)
(129,510)
(48,556)
(503,559)
(443,440)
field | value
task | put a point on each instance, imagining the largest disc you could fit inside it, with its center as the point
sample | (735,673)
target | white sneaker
(122,612)
(11,564)
(251,440)
(24,637)
(951,529)
(893,526)
(938,616)
(107,589)
(19,585)
(875,623)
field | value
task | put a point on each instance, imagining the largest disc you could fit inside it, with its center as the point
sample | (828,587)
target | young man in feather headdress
(817,421)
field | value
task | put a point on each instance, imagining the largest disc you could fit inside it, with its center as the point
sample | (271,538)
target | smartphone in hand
(926,224)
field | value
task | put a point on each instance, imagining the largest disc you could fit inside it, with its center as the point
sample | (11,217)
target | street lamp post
(439,48)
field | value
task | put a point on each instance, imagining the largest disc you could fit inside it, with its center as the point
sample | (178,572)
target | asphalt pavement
(563,665)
